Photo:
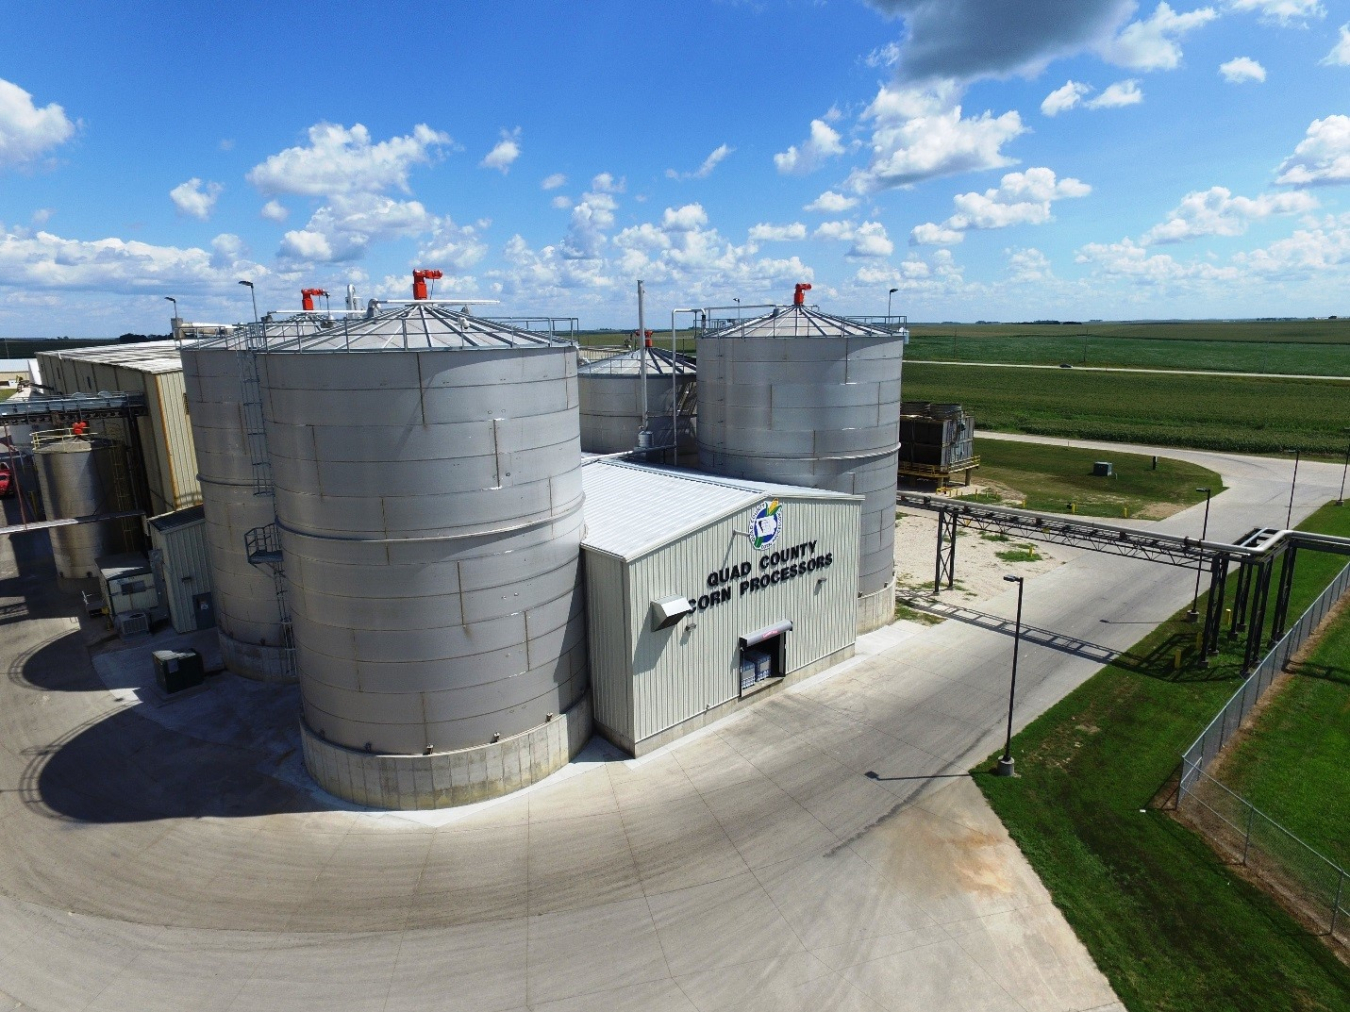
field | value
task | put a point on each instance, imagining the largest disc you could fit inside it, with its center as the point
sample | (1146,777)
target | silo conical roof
(629,363)
(416,326)
(797,322)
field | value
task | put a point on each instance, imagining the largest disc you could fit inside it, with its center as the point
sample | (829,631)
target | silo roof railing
(416,326)
(797,322)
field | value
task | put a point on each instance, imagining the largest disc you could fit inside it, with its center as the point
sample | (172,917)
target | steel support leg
(1240,596)
(945,562)
(1286,586)
(1257,619)
(1218,579)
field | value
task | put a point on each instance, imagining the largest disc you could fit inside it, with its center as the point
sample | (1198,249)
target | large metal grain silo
(805,398)
(426,467)
(226,430)
(610,391)
(83,475)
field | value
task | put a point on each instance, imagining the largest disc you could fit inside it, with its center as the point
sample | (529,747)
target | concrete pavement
(754,865)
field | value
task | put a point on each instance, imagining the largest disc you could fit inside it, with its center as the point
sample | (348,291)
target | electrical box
(176,670)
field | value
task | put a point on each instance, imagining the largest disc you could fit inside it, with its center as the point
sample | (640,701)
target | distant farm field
(1233,414)
(1300,347)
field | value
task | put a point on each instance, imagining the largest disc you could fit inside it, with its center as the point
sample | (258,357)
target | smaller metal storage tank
(610,392)
(802,397)
(84,475)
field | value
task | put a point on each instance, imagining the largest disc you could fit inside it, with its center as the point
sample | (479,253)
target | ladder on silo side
(263,546)
(250,404)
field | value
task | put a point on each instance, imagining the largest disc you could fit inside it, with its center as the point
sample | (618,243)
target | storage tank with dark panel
(426,468)
(83,474)
(806,398)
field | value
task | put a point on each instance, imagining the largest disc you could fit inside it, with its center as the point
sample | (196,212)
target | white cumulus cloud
(1322,158)
(932,234)
(1065,98)
(1241,69)
(503,153)
(868,239)
(274,210)
(777,233)
(830,202)
(1217,212)
(553,181)
(119,266)
(920,133)
(27,131)
(706,169)
(338,161)
(1282,12)
(1028,266)
(1340,52)
(1021,198)
(195,198)
(824,142)
(1118,95)
(1152,44)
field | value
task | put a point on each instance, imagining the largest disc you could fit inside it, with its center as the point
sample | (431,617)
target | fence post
(1251,814)
(1336,904)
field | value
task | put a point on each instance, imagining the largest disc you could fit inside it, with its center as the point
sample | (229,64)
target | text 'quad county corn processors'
(704,592)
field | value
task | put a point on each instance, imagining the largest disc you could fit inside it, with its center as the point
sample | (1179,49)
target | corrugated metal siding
(187,570)
(679,672)
(180,451)
(608,644)
(166,436)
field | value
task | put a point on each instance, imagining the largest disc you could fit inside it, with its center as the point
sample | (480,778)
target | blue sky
(991,159)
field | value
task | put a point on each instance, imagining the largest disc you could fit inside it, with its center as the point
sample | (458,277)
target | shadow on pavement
(124,768)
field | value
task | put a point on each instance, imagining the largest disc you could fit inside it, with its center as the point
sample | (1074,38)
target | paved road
(754,866)
(1115,368)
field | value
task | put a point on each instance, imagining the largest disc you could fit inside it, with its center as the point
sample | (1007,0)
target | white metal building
(179,557)
(155,369)
(691,576)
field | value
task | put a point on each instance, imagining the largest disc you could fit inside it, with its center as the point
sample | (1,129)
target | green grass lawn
(1168,923)
(1290,761)
(1051,477)
(1226,413)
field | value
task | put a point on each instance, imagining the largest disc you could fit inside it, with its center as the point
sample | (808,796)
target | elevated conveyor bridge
(1255,554)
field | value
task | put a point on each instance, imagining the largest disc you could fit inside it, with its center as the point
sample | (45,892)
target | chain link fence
(1306,880)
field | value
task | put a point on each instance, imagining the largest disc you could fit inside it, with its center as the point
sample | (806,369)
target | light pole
(1293,484)
(252,295)
(1340,499)
(1005,762)
(1194,613)
(738,308)
(888,301)
(170,298)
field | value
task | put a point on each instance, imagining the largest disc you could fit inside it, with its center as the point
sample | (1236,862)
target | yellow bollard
(1125,512)
(1073,507)
(1176,660)
(1199,640)
(1228,615)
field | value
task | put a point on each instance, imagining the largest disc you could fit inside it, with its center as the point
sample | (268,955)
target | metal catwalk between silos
(426,468)
(806,398)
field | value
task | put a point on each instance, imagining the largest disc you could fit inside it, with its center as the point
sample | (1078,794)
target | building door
(205,610)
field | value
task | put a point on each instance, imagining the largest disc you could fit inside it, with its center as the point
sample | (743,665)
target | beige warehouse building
(164,438)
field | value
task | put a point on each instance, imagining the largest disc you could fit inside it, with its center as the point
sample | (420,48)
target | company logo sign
(766,525)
